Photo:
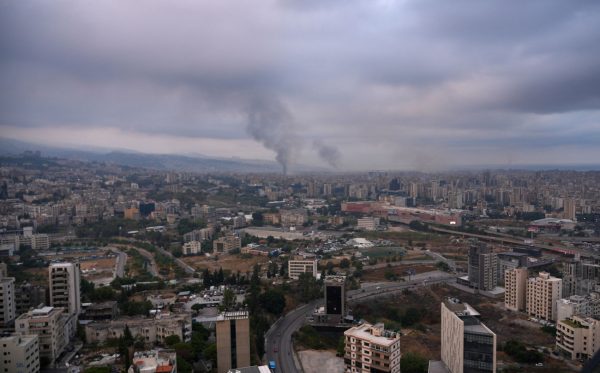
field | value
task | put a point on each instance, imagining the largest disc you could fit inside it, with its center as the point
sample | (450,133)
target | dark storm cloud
(374,80)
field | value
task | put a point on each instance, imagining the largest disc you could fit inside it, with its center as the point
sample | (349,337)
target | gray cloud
(384,77)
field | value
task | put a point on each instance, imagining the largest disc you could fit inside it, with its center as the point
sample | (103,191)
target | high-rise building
(49,325)
(510,260)
(579,337)
(29,296)
(542,293)
(64,282)
(20,353)
(371,348)
(483,267)
(233,340)
(335,298)
(569,208)
(298,267)
(515,286)
(468,346)
(7,300)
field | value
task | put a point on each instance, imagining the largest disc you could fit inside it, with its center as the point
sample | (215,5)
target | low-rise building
(154,361)
(367,223)
(29,296)
(580,305)
(49,325)
(101,311)
(152,330)
(371,348)
(20,353)
(297,267)
(578,337)
(227,243)
(192,248)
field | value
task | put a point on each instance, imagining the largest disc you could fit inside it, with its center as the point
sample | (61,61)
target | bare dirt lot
(231,263)
(376,275)
(321,361)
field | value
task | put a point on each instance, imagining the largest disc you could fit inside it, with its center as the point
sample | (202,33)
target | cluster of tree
(308,288)
(133,308)
(186,225)
(90,293)
(413,363)
(529,216)
(518,351)
(198,348)
(219,277)
(107,228)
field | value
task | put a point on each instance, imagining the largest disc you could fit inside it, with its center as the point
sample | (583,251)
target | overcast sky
(349,84)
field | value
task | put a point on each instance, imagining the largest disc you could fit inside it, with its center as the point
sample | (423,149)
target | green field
(382,252)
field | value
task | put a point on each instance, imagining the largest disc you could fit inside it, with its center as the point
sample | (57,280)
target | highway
(280,334)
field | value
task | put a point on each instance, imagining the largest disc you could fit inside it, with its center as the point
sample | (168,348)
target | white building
(580,305)
(579,337)
(297,267)
(64,282)
(49,325)
(371,348)
(20,353)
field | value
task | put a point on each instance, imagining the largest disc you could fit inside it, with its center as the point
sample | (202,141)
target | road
(187,268)
(280,334)
(152,268)
(121,261)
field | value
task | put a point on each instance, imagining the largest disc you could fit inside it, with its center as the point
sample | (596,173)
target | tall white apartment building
(7,300)
(542,293)
(371,348)
(64,282)
(20,354)
(298,267)
(515,285)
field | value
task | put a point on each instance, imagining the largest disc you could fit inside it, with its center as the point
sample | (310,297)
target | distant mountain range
(186,163)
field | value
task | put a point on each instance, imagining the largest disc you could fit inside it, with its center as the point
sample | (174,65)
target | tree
(172,340)
(229,300)
(273,301)
(345,263)
(413,363)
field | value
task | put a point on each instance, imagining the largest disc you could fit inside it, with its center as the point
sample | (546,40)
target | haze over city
(347,85)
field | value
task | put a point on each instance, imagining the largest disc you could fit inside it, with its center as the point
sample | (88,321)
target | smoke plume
(270,123)
(328,153)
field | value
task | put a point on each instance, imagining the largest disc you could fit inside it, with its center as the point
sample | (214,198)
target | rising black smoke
(270,123)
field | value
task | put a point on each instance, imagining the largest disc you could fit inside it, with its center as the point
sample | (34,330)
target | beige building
(542,293)
(371,348)
(64,281)
(227,243)
(49,325)
(515,286)
(20,354)
(579,337)
(367,223)
(7,300)
(192,248)
(467,344)
(291,218)
(233,340)
(297,267)
(152,330)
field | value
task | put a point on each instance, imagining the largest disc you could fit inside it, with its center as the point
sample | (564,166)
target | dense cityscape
(112,266)
(299,186)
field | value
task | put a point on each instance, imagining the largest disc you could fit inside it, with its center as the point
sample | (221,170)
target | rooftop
(235,315)
(374,333)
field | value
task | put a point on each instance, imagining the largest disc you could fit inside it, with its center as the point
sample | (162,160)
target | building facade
(152,330)
(515,286)
(64,283)
(468,346)
(335,298)
(297,267)
(20,354)
(233,340)
(371,348)
(542,293)
(7,301)
(49,325)
(482,267)
(227,243)
(580,305)
(578,337)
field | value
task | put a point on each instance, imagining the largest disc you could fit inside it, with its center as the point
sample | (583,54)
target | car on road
(272,365)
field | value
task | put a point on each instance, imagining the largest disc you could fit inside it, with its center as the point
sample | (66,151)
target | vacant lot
(375,275)
(321,361)
(231,263)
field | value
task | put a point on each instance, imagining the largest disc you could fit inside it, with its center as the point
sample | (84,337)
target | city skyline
(344,85)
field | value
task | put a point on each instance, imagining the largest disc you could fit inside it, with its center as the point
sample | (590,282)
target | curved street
(278,340)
